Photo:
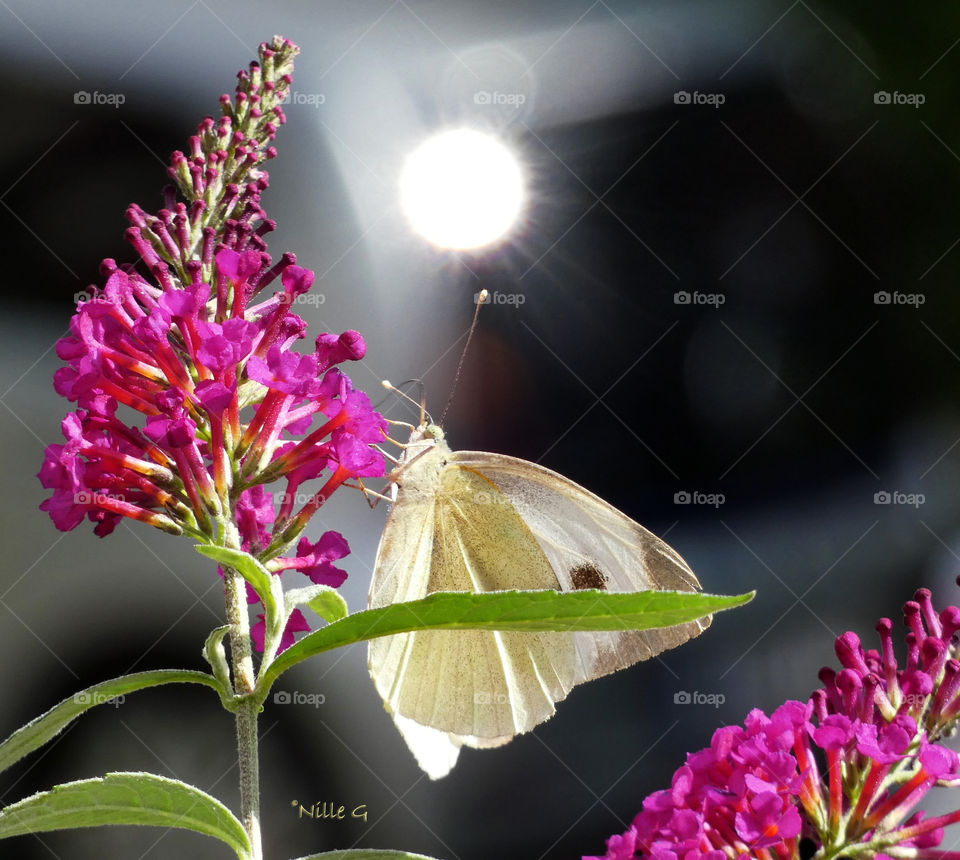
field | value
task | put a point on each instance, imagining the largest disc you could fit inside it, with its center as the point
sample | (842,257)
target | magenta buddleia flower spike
(189,340)
(838,776)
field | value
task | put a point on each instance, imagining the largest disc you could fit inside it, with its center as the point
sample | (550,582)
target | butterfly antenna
(386,383)
(481,299)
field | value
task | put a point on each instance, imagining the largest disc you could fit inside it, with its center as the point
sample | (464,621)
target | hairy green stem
(247,712)
(248,757)
(244,684)
(241,657)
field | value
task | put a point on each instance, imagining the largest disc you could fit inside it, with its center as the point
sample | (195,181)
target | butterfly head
(423,455)
(427,431)
(422,439)
(427,434)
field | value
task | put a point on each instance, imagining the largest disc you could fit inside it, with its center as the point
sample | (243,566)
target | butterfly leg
(369,494)
(390,457)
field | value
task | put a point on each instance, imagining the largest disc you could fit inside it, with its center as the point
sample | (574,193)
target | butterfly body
(477,522)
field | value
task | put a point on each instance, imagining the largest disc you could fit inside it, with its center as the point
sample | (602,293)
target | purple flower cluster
(190,395)
(841,774)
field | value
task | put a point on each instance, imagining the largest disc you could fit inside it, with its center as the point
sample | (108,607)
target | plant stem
(244,681)
(248,757)
(244,684)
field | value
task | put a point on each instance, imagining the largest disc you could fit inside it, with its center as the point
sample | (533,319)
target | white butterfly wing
(436,751)
(590,543)
(400,574)
(447,535)
(472,521)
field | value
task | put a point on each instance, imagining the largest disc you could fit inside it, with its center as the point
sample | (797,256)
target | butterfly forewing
(576,527)
(589,543)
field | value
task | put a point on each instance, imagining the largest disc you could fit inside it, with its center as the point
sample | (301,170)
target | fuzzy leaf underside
(47,726)
(125,798)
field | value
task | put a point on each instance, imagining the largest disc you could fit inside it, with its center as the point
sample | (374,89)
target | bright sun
(461,189)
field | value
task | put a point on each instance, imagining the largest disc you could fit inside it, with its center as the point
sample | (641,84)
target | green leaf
(588,609)
(47,726)
(215,655)
(367,854)
(242,562)
(125,798)
(327,602)
(264,583)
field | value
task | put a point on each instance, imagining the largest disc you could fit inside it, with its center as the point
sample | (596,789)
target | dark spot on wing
(587,576)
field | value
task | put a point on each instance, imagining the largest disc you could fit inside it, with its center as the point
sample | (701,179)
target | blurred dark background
(810,218)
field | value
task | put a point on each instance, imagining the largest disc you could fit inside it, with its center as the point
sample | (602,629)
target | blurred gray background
(818,202)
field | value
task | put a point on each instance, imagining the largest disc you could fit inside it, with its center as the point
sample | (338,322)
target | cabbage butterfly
(474,521)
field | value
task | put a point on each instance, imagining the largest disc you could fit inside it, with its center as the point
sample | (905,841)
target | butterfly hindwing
(474,683)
